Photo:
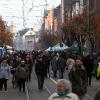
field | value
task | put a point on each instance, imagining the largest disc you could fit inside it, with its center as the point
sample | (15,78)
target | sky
(12,12)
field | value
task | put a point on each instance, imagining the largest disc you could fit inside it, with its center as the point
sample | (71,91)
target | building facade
(25,40)
(29,41)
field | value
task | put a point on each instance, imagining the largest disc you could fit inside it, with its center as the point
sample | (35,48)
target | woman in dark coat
(41,71)
(78,78)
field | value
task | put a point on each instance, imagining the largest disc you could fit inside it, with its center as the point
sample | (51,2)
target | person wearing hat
(63,91)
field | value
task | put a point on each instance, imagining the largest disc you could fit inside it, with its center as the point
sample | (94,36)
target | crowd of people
(19,66)
(51,64)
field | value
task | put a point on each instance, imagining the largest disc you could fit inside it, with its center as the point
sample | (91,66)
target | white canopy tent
(60,47)
(49,49)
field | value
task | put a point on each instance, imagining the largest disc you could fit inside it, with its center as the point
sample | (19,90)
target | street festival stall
(49,49)
(58,47)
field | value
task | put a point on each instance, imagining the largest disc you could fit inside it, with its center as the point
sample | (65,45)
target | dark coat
(61,64)
(29,65)
(22,72)
(53,64)
(40,68)
(78,79)
(88,64)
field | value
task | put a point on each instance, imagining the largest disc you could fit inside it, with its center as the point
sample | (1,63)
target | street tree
(6,37)
(82,30)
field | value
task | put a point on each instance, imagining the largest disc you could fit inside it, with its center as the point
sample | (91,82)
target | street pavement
(32,92)
(91,90)
(12,94)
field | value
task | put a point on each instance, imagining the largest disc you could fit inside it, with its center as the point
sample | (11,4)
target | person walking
(5,71)
(61,63)
(78,78)
(54,65)
(29,65)
(63,91)
(88,64)
(22,74)
(41,71)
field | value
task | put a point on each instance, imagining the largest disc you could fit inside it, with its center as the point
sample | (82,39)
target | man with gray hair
(63,91)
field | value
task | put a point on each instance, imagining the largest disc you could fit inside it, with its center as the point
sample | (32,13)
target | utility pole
(23,12)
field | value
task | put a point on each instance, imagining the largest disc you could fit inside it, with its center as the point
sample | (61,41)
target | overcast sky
(11,11)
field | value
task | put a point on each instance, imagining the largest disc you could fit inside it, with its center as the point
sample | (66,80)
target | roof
(22,32)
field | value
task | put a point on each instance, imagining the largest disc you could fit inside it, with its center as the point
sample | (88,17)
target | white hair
(66,83)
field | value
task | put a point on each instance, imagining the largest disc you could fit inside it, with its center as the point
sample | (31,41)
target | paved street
(12,94)
(49,35)
(91,91)
(32,92)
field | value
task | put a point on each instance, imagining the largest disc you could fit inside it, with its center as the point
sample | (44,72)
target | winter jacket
(69,96)
(88,64)
(53,64)
(61,64)
(29,65)
(40,68)
(78,78)
(96,63)
(5,71)
(22,72)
